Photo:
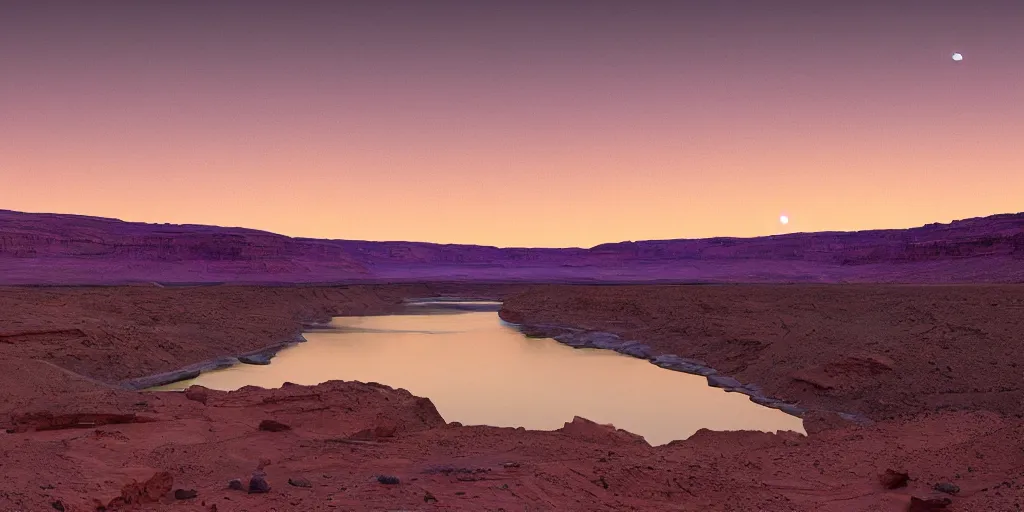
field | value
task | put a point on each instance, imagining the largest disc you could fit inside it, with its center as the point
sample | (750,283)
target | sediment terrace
(931,367)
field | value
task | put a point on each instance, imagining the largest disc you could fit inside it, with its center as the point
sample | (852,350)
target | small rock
(603,340)
(566,338)
(511,464)
(747,389)
(947,488)
(388,480)
(722,381)
(299,482)
(58,505)
(427,497)
(273,426)
(893,479)
(793,410)
(236,484)
(928,504)
(258,484)
(638,350)
(182,494)
(674,359)
(765,401)
(256,359)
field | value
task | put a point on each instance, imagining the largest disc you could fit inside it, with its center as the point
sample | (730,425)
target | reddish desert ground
(928,374)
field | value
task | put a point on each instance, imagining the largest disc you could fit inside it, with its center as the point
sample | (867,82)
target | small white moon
(783,219)
(958,57)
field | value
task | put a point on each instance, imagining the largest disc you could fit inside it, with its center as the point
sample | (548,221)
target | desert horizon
(1001,215)
(62,249)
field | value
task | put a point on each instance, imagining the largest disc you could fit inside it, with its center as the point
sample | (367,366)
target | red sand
(341,436)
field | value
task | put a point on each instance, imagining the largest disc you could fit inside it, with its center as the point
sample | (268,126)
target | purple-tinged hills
(70,249)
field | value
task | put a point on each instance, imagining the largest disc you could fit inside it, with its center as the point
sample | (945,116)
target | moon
(957,56)
(783,219)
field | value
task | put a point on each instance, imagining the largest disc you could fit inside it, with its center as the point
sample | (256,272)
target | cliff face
(47,248)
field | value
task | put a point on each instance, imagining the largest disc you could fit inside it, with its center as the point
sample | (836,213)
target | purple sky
(514,123)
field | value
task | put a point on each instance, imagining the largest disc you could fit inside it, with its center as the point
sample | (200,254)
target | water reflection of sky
(479,370)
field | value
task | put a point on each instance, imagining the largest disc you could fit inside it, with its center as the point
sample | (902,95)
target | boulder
(257,359)
(893,479)
(583,428)
(258,484)
(197,394)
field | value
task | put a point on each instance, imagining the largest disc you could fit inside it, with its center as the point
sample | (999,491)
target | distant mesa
(71,249)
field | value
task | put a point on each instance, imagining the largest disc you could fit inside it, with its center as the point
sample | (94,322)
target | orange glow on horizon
(628,127)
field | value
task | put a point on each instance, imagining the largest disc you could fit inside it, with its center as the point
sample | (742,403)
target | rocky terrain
(877,351)
(67,249)
(929,367)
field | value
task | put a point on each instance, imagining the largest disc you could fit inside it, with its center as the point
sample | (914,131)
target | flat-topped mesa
(69,249)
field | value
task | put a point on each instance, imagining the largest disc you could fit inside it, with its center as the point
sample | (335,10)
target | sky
(527,123)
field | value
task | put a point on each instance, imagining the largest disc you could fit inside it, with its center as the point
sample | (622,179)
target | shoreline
(256,357)
(264,355)
(600,340)
(574,337)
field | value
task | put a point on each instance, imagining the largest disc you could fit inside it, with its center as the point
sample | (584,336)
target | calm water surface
(480,371)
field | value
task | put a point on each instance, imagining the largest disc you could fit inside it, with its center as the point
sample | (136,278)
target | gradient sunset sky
(528,123)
